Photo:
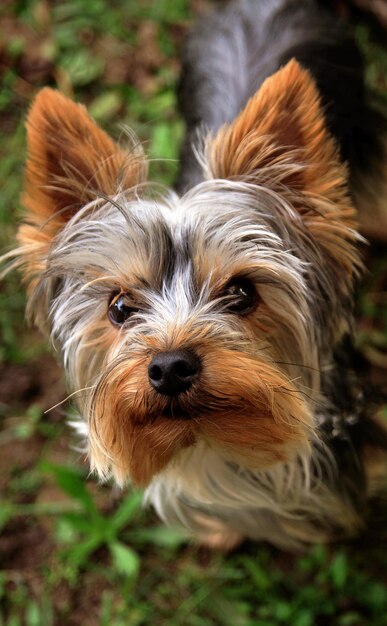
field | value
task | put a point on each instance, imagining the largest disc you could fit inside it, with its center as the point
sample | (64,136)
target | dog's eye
(120,308)
(241,295)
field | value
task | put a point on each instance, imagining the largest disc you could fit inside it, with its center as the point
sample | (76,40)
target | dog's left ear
(281,127)
(280,140)
(70,161)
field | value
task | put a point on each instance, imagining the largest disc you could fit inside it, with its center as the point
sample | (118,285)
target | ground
(76,553)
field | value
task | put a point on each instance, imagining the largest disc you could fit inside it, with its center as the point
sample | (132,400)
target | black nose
(172,373)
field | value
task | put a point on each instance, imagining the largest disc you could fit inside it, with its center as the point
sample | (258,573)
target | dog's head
(201,318)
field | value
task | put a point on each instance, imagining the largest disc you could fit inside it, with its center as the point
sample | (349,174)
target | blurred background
(76,553)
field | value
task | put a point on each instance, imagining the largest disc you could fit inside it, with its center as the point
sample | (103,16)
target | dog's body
(210,333)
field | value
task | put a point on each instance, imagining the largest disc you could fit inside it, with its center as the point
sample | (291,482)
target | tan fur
(70,161)
(126,432)
(242,406)
(280,140)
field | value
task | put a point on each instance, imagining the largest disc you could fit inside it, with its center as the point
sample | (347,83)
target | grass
(80,554)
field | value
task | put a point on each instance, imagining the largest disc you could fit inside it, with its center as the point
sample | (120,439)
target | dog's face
(201,318)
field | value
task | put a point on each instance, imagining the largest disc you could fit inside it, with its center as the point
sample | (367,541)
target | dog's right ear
(70,161)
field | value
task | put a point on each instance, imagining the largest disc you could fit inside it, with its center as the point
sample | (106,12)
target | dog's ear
(280,140)
(281,126)
(70,161)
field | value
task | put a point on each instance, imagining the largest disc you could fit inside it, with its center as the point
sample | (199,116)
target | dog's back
(231,52)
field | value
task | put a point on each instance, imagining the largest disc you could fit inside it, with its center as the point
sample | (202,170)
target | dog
(206,332)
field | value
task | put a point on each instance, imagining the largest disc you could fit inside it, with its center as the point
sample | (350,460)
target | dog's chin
(254,441)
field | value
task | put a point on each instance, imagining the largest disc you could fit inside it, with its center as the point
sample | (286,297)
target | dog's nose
(171,373)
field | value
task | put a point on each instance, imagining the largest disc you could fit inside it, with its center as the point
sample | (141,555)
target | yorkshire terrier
(206,331)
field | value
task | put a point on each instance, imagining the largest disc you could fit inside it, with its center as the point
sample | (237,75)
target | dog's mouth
(174,411)
(189,406)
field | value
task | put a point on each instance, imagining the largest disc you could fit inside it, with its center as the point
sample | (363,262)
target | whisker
(314,369)
(74,393)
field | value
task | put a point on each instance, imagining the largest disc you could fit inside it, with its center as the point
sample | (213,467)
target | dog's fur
(277,437)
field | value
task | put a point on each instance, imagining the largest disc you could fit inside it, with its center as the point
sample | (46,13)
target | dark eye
(120,308)
(241,295)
